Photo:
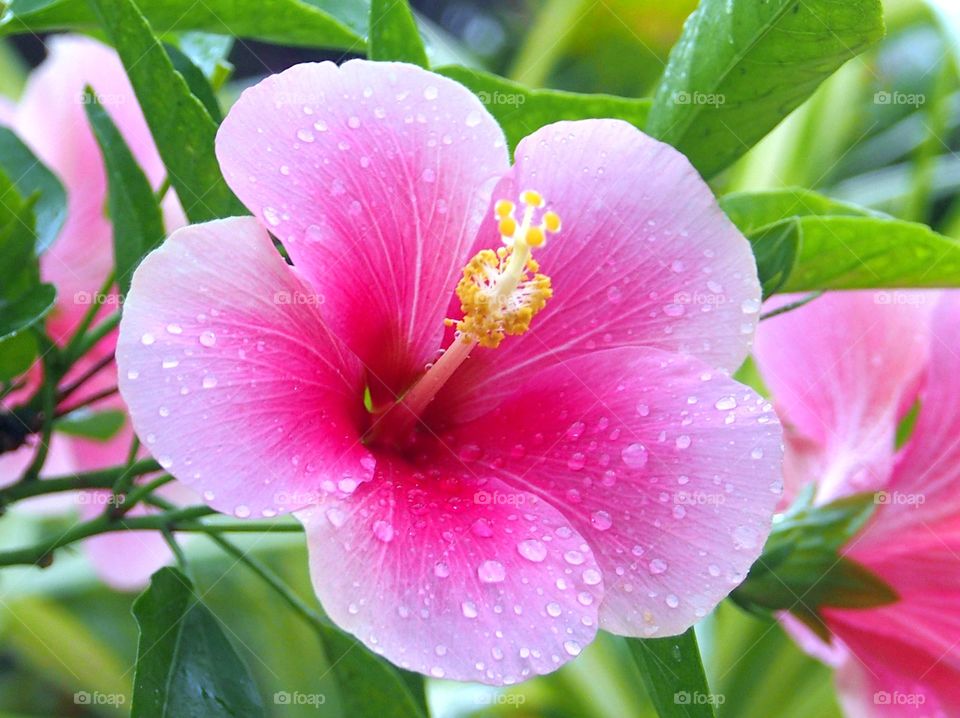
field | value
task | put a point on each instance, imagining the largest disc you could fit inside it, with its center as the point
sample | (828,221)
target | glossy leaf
(134,211)
(804,242)
(196,81)
(741,66)
(520,110)
(290,22)
(801,569)
(181,126)
(16,355)
(186,666)
(30,176)
(393,33)
(24,300)
(673,675)
(369,687)
(97,425)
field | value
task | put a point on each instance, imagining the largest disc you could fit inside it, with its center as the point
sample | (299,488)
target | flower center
(500,293)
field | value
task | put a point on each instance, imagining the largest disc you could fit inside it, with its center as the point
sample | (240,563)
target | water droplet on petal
(242,512)
(657,566)
(208,339)
(383,531)
(532,550)
(491,572)
(634,456)
(209,381)
(469,609)
(553,609)
(147,339)
(726,403)
(601,520)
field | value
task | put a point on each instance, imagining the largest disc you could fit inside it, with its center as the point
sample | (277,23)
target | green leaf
(741,66)
(394,34)
(24,301)
(30,176)
(26,310)
(369,687)
(186,666)
(753,211)
(290,22)
(181,127)
(134,211)
(16,355)
(801,569)
(196,81)
(521,111)
(807,242)
(673,675)
(208,51)
(97,425)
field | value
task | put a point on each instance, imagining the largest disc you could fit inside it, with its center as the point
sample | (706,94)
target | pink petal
(51,119)
(873,684)
(125,560)
(841,369)
(375,176)
(668,468)
(454,574)
(232,380)
(645,257)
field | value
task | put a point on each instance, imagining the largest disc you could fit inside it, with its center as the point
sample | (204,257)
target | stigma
(502,291)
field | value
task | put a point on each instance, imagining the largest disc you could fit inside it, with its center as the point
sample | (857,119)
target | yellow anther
(551,222)
(504,208)
(531,198)
(508,226)
(535,237)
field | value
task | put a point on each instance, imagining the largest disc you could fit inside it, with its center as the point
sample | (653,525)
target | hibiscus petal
(668,468)
(232,380)
(645,256)
(454,576)
(375,176)
(841,368)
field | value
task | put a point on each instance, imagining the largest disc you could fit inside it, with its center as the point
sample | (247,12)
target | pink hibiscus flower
(51,120)
(845,370)
(577,456)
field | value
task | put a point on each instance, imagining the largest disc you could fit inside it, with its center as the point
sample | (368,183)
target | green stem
(138,494)
(41,554)
(103,479)
(48,411)
(90,340)
(791,306)
(272,580)
(70,352)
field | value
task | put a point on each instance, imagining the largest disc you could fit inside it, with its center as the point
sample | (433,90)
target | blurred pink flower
(845,370)
(50,118)
(475,513)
